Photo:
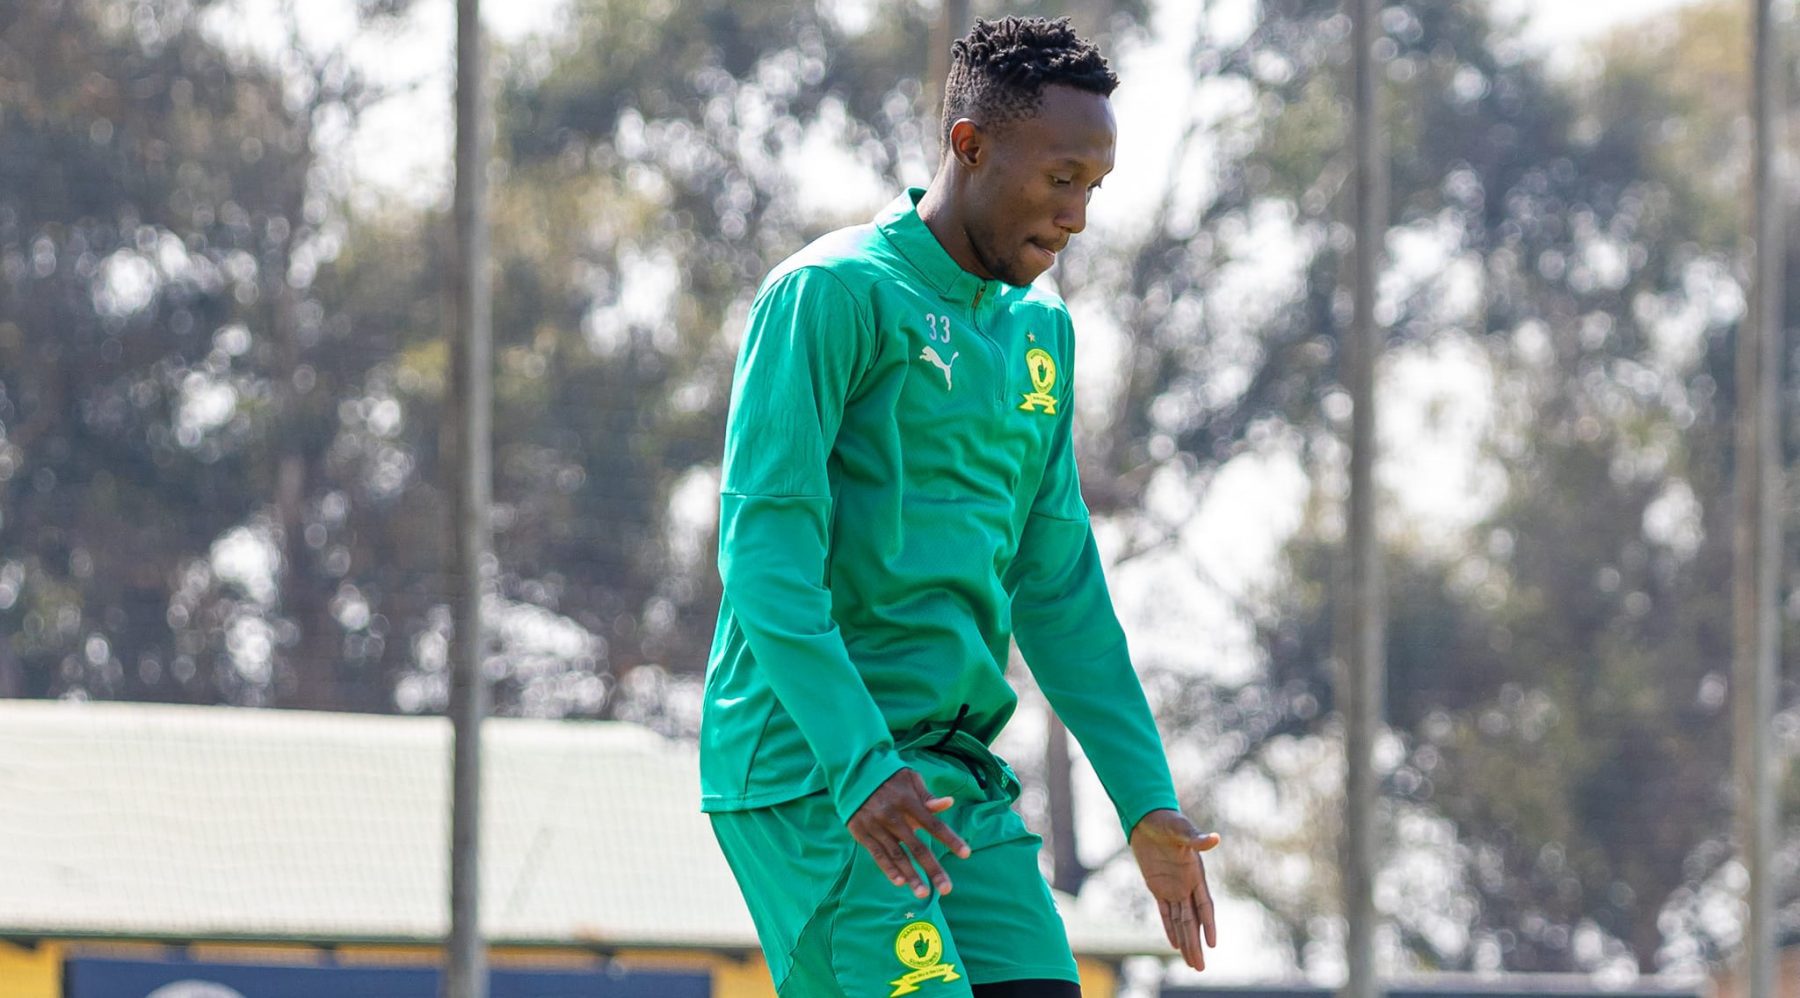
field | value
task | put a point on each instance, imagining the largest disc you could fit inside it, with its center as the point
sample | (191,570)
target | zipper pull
(980,289)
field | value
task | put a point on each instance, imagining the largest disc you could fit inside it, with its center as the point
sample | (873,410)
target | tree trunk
(1067,874)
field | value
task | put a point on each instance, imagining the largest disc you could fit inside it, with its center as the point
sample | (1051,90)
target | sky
(403,146)
(1554,23)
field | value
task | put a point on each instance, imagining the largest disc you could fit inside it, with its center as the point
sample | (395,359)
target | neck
(938,210)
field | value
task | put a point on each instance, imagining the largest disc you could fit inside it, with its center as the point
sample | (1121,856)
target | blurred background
(224,361)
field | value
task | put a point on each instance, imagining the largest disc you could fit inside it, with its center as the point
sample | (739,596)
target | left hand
(1168,847)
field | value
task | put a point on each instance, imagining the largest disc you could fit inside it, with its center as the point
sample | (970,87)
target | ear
(967,143)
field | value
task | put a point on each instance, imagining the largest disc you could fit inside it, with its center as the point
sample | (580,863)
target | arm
(805,345)
(1064,622)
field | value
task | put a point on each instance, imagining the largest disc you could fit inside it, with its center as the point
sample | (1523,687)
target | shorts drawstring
(975,766)
(950,732)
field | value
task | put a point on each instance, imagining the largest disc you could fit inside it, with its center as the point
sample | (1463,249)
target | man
(900,501)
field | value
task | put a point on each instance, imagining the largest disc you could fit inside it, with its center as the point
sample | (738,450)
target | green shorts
(832,925)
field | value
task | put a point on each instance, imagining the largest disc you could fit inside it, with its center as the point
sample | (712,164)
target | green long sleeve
(800,354)
(1064,623)
(898,496)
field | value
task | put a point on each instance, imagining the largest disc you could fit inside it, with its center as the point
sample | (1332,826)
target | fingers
(1203,902)
(897,850)
(943,833)
(1186,926)
(892,860)
(888,826)
(1204,906)
(927,820)
(900,860)
(921,854)
(1188,921)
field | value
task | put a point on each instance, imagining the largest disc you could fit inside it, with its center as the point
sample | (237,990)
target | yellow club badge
(1042,368)
(920,947)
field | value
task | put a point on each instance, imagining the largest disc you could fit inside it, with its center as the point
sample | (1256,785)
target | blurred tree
(221,387)
(1556,679)
(658,163)
(157,230)
(220,379)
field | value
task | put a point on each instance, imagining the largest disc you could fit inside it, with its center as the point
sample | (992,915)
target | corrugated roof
(159,821)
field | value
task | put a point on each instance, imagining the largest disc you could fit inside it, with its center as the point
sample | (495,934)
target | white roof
(158,821)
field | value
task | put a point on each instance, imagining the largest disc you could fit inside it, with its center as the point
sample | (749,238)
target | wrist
(1148,816)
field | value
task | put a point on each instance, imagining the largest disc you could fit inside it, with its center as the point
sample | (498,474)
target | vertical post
(470,408)
(1756,536)
(953,20)
(1363,614)
(1067,873)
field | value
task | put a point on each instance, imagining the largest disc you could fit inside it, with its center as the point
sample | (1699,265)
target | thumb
(1202,843)
(932,804)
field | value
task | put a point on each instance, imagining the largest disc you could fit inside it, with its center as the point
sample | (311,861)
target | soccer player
(899,501)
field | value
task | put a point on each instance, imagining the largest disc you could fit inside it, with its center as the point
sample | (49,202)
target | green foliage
(205,359)
(275,389)
(1558,681)
(149,201)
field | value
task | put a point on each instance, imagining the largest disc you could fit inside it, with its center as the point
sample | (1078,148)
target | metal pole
(471,403)
(1067,873)
(1756,536)
(952,22)
(1364,614)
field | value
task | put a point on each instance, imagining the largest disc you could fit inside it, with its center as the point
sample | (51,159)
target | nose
(1071,215)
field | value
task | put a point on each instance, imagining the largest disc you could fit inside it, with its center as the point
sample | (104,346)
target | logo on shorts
(920,947)
(1042,368)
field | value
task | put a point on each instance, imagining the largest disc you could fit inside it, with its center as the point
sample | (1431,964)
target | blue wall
(101,978)
(1514,988)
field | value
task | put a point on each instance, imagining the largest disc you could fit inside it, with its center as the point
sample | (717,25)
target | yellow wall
(1098,980)
(274,954)
(30,973)
(37,972)
(746,978)
(749,978)
(1787,977)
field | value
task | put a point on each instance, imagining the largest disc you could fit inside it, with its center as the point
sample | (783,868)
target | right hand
(888,823)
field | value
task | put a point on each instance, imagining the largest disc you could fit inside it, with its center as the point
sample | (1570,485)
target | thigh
(886,943)
(830,923)
(998,923)
(1001,911)
(789,866)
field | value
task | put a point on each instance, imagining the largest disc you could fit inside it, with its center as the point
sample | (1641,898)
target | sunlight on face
(1029,194)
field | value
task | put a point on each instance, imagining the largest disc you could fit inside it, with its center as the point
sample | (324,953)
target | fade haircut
(999,70)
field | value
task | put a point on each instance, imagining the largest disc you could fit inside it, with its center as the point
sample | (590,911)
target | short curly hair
(999,70)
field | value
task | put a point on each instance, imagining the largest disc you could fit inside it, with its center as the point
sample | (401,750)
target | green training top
(898,500)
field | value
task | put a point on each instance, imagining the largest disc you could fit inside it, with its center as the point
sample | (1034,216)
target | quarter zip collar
(906,231)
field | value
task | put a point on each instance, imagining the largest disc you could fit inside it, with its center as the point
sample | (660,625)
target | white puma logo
(930,354)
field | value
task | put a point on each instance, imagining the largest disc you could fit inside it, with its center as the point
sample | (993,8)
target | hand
(888,824)
(1168,848)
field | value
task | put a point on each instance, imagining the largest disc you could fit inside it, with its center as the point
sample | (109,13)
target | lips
(1048,254)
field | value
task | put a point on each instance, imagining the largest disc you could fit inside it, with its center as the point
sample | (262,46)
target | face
(1029,181)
